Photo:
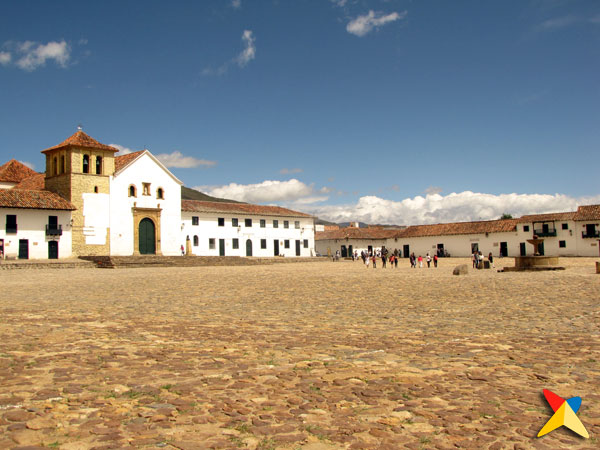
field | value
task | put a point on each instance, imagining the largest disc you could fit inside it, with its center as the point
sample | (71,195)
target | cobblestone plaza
(314,355)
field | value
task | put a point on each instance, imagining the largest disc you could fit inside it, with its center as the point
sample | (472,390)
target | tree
(506,216)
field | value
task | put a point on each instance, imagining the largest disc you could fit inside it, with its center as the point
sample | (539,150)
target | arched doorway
(248,247)
(147,237)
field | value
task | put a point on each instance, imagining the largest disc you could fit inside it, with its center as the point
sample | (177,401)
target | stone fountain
(536,261)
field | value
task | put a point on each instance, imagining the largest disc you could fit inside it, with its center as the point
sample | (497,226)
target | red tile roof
(546,217)
(21,198)
(441,229)
(80,139)
(356,233)
(241,208)
(36,182)
(588,212)
(14,171)
(122,160)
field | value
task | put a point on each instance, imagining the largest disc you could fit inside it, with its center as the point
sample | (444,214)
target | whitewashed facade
(242,233)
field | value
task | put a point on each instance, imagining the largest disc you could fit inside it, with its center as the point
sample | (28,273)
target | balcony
(11,229)
(593,234)
(542,233)
(53,230)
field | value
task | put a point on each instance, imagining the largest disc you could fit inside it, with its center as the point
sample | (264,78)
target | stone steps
(116,262)
(79,264)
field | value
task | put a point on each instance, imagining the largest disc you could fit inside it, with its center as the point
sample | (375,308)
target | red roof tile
(36,182)
(242,208)
(122,160)
(14,171)
(21,198)
(80,139)
(588,212)
(441,229)
(356,233)
(546,217)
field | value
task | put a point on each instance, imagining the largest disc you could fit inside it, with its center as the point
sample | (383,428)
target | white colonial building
(565,234)
(91,202)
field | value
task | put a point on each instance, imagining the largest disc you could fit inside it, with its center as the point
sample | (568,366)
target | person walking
(420,262)
(428,259)
(491,259)
(435,260)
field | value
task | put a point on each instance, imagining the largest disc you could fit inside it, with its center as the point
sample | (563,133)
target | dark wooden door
(23,248)
(297,248)
(276,247)
(248,247)
(406,251)
(147,237)
(504,249)
(541,248)
(522,249)
(221,247)
(52,250)
(344,251)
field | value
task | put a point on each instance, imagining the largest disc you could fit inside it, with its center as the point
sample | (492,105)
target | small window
(565,226)
(276,224)
(86,163)
(146,190)
(297,224)
(263,223)
(221,221)
(160,193)
(98,165)
(305,243)
(286,224)
(248,222)
(525,228)
(55,166)
(286,243)
(195,241)
(195,220)
(211,243)
(562,244)
(95,189)
(62,164)
(132,191)
(11,223)
(234,222)
(235,243)
(263,243)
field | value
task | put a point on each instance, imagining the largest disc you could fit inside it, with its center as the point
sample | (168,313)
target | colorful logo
(564,414)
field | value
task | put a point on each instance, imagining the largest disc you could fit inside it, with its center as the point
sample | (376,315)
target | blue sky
(382,111)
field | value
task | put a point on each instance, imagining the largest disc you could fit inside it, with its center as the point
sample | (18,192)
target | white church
(91,202)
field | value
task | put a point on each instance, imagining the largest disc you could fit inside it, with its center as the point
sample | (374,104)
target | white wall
(357,244)
(96,214)
(31,225)
(587,246)
(208,228)
(144,170)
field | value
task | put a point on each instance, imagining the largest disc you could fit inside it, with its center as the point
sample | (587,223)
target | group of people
(477,259)
(414,260)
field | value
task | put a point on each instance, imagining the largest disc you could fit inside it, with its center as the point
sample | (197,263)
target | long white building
(574,233)
(91,202)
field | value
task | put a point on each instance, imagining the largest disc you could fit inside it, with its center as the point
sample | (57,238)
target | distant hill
(192,194)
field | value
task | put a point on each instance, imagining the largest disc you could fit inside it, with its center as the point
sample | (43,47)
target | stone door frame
(140,214)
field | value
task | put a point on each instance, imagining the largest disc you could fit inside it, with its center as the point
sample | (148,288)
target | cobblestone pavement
(310,356)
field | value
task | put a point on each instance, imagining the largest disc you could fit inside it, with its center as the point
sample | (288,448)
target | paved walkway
(311,356)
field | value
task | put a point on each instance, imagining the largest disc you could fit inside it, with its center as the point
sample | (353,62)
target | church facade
(92,202)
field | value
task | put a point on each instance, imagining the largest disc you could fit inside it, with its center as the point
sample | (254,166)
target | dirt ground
(311,356)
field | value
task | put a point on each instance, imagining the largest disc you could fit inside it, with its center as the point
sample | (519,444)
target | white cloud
(5,58)
(433,190)
(28,164)
(340,3)
(122,150)
(362,25)
(33,55)
(175,159)
(268,191)
(249,53)
(236,4)
(285,171)
(178,160)
(455,207)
